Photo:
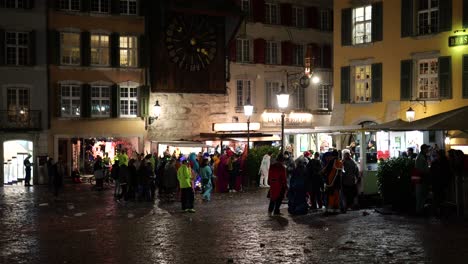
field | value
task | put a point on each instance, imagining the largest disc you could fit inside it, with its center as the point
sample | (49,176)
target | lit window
(272,88)
(128,101)
(69,5)
(243,92)
(17,103)
(362,23)
(272,53)
(243,50)
(428,17)
(298,17)
(298,55)
(323,96)
(428,79)
(271,13)
(70,100)
(128,51)
(128,7)
(99,50)
(362,84)
(100,101)
(17,48)
(69,48)
(100,6)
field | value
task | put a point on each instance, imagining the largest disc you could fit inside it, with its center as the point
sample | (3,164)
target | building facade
(23,87)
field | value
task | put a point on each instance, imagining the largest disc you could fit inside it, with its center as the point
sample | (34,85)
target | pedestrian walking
(98,171)
(206,173)
(184,175)
(297,201)
(314,182)
(264,169)
(348,181)
(333,171)
(278,185)
(27,167)
(169,181)
(421,167)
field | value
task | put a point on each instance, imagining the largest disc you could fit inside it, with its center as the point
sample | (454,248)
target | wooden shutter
(286,14)
(259,51)
(144,94)
(54,47)
(331,21)
(329,97)
(377,21)
(233,50)
(85,101)
(142,7)
(115,52)
(445,15)
(312,16)
(406,80)
(2,47)
(345,85)
(85,5)
(346,26)
(286,52)
(376,82)
(58,100)
(32,48)
(327,56)
(465,77)
(258,10)
(142,52)
(445,77)
(115,7)
(85,39)
(115,101)
(407,9)
(465,14)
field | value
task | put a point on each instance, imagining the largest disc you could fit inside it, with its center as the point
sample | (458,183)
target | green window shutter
(2,47)
(407,9)
(377,82)
(54,47)
(115,52)
(465,77)
(346,27)
(445,77)
(85,101)
(144,93)
(377,21)
(32,48)
(406,80)
(85,39)
(445,15)
(58,100)
(345,85)
(115,101)
(142,60)
(465,14)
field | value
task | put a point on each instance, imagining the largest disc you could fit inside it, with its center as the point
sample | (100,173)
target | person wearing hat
(278,185)
(27,167)
(422,166)
(206,174)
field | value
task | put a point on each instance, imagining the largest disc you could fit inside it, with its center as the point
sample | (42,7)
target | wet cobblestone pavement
(85,226)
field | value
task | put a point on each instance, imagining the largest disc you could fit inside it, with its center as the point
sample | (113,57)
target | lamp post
(283,101)
(156,112)
(410,114)
(248,110)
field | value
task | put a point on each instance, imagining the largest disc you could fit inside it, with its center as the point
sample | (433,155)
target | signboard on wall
(459,40)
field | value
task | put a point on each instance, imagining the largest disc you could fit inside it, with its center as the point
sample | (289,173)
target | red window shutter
(327,56)
(258,10)
(315,55)
(286,53)
(259,51)
(286,14)
(312,15)
(232,50)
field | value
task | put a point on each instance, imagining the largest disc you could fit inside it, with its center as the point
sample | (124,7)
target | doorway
(14,154)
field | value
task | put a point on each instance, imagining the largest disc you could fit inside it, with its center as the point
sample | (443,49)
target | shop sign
(291,120)
(459,40)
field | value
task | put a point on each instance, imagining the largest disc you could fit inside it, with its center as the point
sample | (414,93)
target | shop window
(272,88)
(298,55)
(70,48)
(362,84)
(70,100)
(17,48)
(243,92)
(69,5)
(243,50)
(100,6)
(128,100)
(128,7)
(128,51)
(272,52)
(428,17)
(99,50)
(298,18)
(362,22)
(271,13)
(100,101)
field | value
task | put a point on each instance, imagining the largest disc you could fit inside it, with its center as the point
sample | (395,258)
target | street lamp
(248,110)
(410,114)
(283,101)
(156,113)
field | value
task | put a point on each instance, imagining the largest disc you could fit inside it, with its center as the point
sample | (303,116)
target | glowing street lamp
(283,101)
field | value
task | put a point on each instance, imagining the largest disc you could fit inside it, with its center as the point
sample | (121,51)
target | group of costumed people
(311,182)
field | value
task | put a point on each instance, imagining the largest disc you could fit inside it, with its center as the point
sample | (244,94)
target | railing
(20,120)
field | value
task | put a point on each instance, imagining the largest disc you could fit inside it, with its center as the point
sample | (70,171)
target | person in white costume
(264,167)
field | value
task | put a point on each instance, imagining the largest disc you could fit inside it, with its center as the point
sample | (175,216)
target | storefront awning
(388,125)
(183,143)
(225,136)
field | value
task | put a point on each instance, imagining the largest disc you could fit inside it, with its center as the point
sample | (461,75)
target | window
(17,48)
(100,6)
(323,96)
(69,5)
(243,50)
(128,51)
(69,48)
(70,100)
(298,55)
(297,98)
(272,52)
(325,20)
(428,79)
(17,102)
(13,3)
(128,101)
(245,7)
(272,88)
(362,22)
(243,92)
(100,101)
(99,50)
(271,13)
(128,7)
(362,84)
(298,17)
(428,15)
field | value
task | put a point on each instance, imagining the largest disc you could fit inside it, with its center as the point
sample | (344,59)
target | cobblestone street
(85,226)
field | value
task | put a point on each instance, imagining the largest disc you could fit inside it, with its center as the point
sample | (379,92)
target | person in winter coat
(333,171)
(264,169)
(297,201)
(206,173)
(99,173)
(348,181)
(314,182)
(170,180)
(278,185)
(184,175)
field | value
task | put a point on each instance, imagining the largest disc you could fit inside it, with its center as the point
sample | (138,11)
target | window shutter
(445,15)
(142,7)
(346,27)
(376,82)
(2,47)
(312,16)
(258,10)
(115,101)
(115,52)
(85,5)
(345,85)
(85,39)
(286,14)
(269,103)
(259,51)
(32,48)
(29,4)
(142,52)
(115,7)
(316,55)
(286,53)
(445,77)
(232,50)
(327,56)
(377,21)
(407,9)
(329,97)
(2,3)
(54,47)
(58,100)
(331,21)
(465,14)
(406,80)
(144,94)
(465,77)
(85,101)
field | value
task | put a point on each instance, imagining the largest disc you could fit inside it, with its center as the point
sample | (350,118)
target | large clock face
(191,42)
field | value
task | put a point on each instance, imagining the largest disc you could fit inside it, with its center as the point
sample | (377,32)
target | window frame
(128,100)
(243,53)
(366,89)
(246,9)
(127,6)
(16,4)
(69,4)
(71,47)
(273,47)
(71,98)
(272,90)
(367,24)
(99,6)
(323,96)
(272,17)
(297,98)
(428,28)
(128,50)
(434,88)
(297,59)
(17,47)
(296,20)
(244,89)
(100,49)
(325,21)
(101,99)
